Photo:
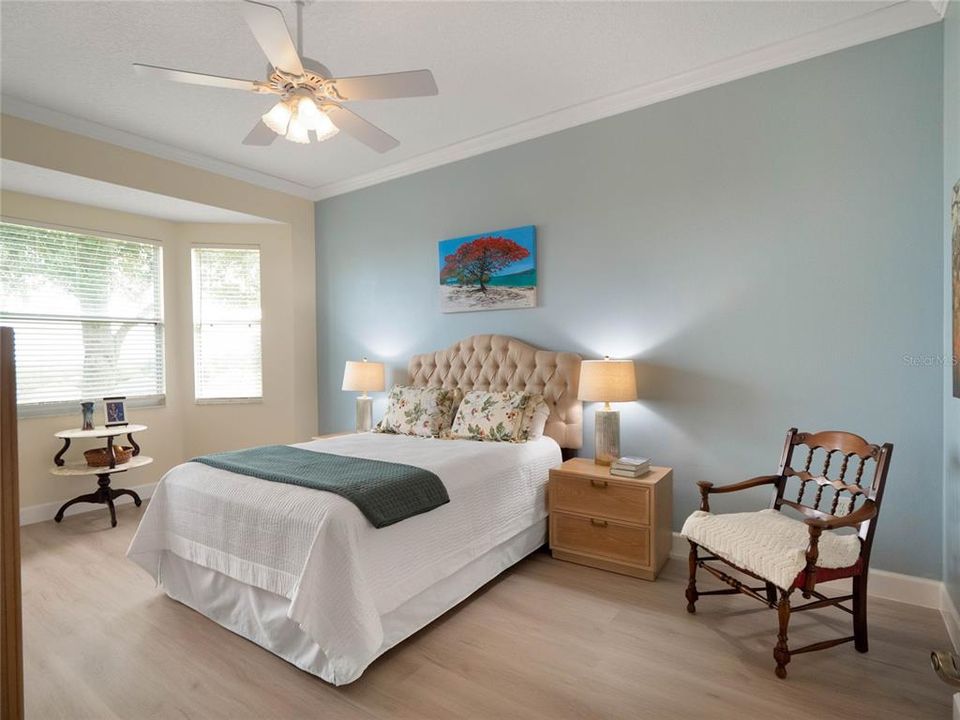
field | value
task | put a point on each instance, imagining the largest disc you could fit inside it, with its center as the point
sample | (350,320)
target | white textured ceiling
(497,64)
(33,180)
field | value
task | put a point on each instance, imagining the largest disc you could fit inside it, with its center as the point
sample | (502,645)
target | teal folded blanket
(385,492)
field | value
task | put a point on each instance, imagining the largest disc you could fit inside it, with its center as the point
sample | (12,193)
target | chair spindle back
(853,455)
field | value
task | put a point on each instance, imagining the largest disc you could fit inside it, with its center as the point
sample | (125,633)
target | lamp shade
(363,376)
(607,381)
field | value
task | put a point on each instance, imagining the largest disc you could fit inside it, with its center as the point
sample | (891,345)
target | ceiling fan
(309,99)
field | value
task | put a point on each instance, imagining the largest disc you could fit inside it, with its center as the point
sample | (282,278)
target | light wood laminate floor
(545,640)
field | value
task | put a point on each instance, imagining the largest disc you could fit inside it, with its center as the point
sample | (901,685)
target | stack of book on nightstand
(630,467)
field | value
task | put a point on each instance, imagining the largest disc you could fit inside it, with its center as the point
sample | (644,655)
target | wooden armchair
(796,554)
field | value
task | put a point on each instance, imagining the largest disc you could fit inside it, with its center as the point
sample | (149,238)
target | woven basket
(100,457)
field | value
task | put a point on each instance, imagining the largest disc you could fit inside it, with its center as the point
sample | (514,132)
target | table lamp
(366,377)
(607,381)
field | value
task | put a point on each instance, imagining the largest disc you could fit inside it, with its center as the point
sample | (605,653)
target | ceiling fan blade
(260,136)
(271,32)
(413,83)
(193,78)
(355,126)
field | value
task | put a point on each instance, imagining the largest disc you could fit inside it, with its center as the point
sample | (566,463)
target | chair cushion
(768,543)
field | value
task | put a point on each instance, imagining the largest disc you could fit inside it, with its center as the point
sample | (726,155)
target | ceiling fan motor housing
(318,87)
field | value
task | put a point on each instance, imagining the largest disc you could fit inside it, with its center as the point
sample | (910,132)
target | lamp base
(364,413)
(606,439)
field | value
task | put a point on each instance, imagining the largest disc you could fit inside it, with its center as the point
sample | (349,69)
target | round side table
(104,494)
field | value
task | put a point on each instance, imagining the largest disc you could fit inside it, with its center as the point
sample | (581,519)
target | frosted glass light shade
(307,111)
(607,381)
(363,376)
(313,118)
(324,127)
(278,118)
(297,131)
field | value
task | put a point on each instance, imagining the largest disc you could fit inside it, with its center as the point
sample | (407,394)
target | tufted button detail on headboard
(500,362)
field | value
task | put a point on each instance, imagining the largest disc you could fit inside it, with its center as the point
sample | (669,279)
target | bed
(302,573)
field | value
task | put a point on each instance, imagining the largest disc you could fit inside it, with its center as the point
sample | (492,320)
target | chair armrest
(816,526)
(867,511)
(707,488)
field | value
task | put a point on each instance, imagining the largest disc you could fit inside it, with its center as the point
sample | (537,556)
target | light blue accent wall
(770,251)
(951,415)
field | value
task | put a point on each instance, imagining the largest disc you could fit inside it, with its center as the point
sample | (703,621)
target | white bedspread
(317,549)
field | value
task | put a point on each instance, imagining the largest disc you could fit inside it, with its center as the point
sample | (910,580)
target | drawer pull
(598,523)
(598,483)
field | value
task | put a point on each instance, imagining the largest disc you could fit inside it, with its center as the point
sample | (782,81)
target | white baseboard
(41,513)
(952,620)
(905,588)
(909,589)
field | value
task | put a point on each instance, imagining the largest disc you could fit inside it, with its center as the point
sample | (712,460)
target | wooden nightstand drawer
(600,497)
(610,522)
(601,538)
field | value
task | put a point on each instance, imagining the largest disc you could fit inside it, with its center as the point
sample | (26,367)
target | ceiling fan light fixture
(324,127)
(316,119)
(307,111)
(278,118)
(297,132)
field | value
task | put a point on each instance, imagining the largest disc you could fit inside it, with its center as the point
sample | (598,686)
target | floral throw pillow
(496,416)
(418,411)
(534,418)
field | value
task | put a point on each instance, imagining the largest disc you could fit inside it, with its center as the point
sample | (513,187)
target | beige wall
(164,440)
(210,427)
(181,428)
(35,144)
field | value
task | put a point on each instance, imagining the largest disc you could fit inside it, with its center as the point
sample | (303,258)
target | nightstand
(341,433)
(610,522)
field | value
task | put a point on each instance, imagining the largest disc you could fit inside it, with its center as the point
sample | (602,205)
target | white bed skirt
(262,616)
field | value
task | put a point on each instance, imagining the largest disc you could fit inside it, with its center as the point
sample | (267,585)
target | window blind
(226,323)
(87,315)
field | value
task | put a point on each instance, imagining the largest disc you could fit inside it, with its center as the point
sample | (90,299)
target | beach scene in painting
(490,271)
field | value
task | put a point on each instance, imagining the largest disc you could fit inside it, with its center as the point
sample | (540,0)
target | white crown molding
(892,19)
(71,123)
(940,6)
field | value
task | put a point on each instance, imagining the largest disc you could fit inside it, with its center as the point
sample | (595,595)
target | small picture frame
(114,411)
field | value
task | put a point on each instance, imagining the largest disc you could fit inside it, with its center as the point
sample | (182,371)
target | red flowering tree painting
(489,271)
(476,262)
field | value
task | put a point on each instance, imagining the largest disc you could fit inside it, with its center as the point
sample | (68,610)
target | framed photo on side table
(114,411)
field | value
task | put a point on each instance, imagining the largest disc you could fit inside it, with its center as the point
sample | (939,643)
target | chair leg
(781,653)
(692,593)
(860,613)
(772,594)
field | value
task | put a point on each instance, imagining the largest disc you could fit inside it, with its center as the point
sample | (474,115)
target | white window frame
(252,400)
(69,407)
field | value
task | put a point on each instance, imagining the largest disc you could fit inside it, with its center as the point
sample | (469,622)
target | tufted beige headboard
(500,362)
